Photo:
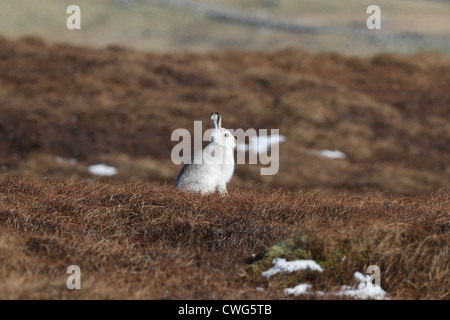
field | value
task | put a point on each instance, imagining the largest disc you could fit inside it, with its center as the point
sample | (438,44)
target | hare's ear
(213,120)
(219,120)
(216,120)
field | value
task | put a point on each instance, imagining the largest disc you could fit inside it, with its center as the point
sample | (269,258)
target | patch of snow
(102,170)
(332,154)
(366,289)
(298,290)
(281,265)
(262,144)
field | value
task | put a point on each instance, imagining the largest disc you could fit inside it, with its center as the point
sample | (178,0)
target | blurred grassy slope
(389,113)
(194,25)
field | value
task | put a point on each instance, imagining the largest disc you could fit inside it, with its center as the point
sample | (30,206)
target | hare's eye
(226,135)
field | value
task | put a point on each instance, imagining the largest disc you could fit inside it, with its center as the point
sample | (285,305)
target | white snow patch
(102,170)
(298,290)
(261,144)
(366,289)
(332,154)
(281,265)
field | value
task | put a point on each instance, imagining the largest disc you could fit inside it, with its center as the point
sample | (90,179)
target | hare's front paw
(222,189)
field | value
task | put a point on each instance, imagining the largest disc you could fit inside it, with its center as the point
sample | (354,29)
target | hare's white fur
(211,168)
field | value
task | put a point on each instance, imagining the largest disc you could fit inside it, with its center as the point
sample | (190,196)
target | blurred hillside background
(408,26)
(113,92)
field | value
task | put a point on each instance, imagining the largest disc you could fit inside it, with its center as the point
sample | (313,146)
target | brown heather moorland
(148,241)
(134,237)
(389,114)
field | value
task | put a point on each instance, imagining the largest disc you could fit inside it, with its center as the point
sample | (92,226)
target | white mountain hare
(210,169)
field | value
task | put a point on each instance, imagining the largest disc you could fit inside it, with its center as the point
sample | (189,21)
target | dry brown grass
(115,105)
(137,241)
(135,237)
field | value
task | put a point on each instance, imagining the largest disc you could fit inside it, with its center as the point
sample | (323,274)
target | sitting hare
(210,169)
